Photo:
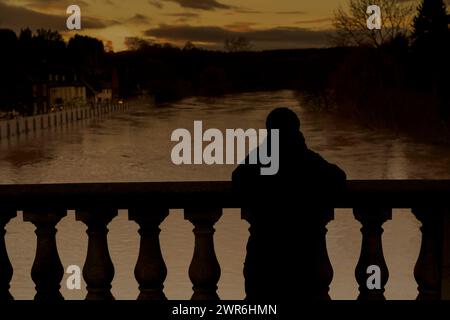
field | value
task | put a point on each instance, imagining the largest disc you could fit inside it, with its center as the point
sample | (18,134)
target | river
(136,146)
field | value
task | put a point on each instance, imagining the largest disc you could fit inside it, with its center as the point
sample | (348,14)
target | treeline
(171,73)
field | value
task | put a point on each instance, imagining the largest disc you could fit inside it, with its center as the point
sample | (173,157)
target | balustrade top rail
(381,193)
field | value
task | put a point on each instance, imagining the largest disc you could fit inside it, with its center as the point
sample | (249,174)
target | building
(58,86)
(99,92)
(56,89)
(64,90)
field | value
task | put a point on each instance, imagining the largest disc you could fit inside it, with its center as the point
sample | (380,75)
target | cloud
(55,4)
(281,37)
(156,3)
(329,19)
(240,26)
(246,11)
(138,19)
(201,4)
(183,17)
(17,18)
(291,12)
(183,14)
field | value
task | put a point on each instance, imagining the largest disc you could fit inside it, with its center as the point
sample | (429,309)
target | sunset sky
(267,23)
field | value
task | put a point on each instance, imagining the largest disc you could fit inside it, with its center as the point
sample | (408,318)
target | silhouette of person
(284,211)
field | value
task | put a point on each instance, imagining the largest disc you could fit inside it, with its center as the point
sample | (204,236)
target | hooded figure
(285,211)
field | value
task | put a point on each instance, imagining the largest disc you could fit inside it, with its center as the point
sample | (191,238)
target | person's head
(288,124)
(285,120)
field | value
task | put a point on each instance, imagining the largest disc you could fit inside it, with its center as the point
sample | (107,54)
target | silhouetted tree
(8,67)
(136,43)
(431,47)
(351,24)
(238,44)
(49,35)
(25,35)
(430,28)
(86,52)
(189,46)
(47,46)
(8,40)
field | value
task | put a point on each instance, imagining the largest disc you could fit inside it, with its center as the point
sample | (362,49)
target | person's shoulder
(322,163)
(315,157)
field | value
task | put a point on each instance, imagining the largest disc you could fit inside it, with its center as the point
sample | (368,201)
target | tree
(431,44)
(49,35)
(8,40)
(25,35)
(189,46)
(49,46)
(86,51)
(430,28)
(8,66)
(136,43)
(238,44)
(351,24)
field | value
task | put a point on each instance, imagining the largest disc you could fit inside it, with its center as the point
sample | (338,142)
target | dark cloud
(156,3)
(281,37)
(55,4)
(291,12)
(246,11)
(139,19)
(183,15)
(240,26)
(329,19)
(201,4)
(16,18)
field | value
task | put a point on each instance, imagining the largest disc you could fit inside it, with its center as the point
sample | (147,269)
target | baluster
(150,270)
(98,270)
(6,269)
(372,220)
(47,271)
(427,271)
(323,270)
(204,270)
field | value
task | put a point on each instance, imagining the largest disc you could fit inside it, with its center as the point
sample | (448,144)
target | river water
(136,146)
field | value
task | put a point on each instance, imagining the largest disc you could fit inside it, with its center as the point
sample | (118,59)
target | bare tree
(351,23)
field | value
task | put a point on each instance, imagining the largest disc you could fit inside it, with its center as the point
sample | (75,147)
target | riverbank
(23,125)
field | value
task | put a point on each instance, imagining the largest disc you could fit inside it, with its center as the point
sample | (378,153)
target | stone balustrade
(148,204)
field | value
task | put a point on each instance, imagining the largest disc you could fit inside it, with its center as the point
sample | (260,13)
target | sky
(268,24)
